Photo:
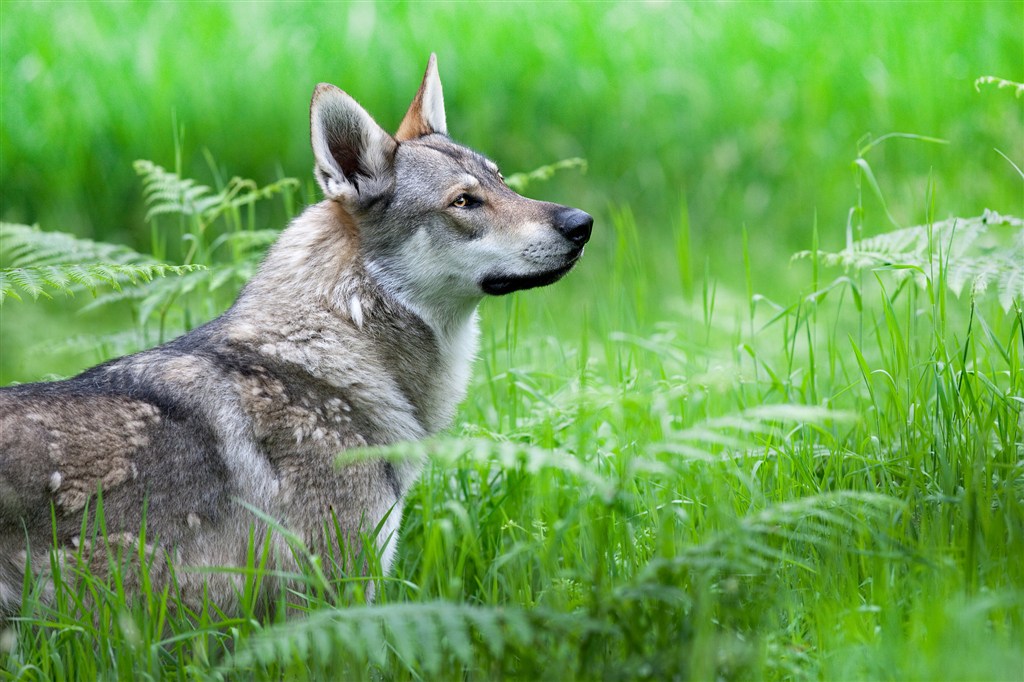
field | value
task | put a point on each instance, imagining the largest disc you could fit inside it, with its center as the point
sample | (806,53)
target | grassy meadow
(770,428)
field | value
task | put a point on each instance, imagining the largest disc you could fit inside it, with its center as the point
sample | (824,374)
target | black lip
(499,285)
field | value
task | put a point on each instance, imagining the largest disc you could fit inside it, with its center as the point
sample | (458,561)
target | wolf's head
(437,226)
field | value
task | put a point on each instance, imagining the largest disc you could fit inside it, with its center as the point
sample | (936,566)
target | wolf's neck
(313,285)
(454,327)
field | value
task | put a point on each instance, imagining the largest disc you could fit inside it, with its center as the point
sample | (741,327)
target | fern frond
(41,263)
(67,279)
(420,637)
(782,533)
(166,192)
(730,436)
(27,246)
(717,439)
(27,279)
(159,294)
(976,254)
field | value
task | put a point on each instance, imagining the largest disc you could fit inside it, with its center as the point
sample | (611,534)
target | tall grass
(826,486)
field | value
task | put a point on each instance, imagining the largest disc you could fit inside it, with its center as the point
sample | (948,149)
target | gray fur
(358,329)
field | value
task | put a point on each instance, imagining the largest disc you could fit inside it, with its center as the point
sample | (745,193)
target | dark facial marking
(505,284)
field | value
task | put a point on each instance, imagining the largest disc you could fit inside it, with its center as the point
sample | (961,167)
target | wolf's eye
(462,201)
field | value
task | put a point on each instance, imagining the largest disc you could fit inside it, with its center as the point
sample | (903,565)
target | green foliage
(433,638)
(980,255)
(217,237)
(784,534)
(520,181)
(168,193)
(647,505)
(41,263)
(1017,88)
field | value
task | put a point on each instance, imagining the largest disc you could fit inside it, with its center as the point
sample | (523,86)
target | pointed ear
(354,156)
(426,113)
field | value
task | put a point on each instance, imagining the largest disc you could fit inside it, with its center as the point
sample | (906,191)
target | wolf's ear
(426,113)
(354,156)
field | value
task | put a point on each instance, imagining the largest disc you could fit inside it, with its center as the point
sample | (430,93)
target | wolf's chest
(451,377)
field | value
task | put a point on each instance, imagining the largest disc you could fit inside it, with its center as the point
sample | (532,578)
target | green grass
(694,458)
(830,487)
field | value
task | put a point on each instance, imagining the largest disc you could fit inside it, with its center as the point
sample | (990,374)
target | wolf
(359,329)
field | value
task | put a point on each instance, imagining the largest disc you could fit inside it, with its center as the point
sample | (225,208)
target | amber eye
(461,201)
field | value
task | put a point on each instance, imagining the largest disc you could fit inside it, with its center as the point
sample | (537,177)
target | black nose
(574,225)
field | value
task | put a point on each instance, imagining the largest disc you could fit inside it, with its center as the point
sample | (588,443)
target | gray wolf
(359,329)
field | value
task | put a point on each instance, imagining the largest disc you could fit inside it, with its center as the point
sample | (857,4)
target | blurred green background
(719,117)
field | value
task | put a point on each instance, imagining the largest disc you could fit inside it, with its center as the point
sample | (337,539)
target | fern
(729,436)
(229,254)
(717,439)
(783,533)
(982,255)
(159,294)
(167,192)
(39,263)
(435,638)
(417,636)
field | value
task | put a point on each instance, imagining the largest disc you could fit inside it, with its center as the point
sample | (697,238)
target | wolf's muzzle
(574,224)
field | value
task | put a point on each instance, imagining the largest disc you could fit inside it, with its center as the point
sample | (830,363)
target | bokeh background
(701,120)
